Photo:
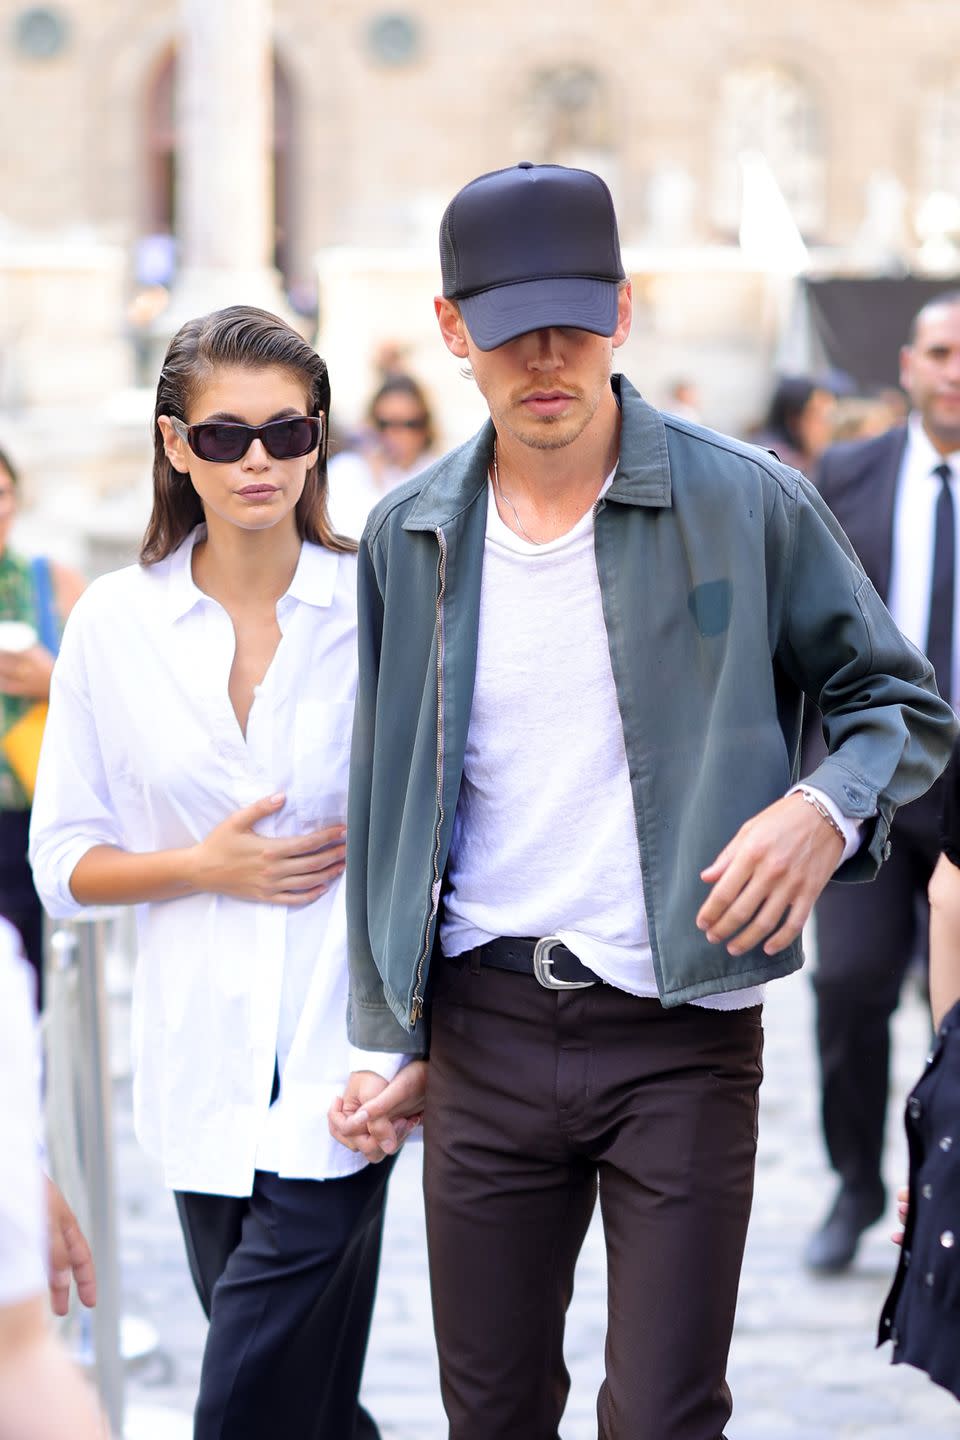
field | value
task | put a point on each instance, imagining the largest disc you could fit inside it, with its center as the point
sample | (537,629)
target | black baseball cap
(530,247)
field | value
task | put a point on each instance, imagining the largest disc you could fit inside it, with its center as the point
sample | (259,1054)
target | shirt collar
(924,455)
(314,580)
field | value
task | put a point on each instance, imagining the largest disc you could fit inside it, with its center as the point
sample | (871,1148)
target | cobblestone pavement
(803,1365)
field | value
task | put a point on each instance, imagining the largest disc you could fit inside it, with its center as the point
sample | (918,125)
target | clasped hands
(374,1116)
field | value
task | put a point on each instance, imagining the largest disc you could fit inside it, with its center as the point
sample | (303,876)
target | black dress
(922,1312)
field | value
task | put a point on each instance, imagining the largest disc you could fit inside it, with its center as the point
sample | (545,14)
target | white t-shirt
(545,839)
(142,750)
(22,1228)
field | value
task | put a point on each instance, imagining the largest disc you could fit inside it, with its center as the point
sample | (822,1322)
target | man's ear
(624,314)
(174,448)
(451,326)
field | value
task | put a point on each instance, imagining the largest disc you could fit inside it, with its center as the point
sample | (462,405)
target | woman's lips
(257,492)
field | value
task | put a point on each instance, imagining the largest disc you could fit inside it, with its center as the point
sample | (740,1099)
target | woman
(401,438)
(922,1312)
(195,764)
(35,598)
(799,422)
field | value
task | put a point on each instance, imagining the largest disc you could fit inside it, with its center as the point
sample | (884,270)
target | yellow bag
(21,745)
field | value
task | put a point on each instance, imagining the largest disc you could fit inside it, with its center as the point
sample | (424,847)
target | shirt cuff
(381,1062)
(852,830)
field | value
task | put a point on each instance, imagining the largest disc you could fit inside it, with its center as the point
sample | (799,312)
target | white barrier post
(84,947)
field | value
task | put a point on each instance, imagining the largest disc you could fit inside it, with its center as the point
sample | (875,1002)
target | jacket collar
(642,476)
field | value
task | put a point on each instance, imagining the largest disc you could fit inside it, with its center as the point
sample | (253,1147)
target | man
(896,498)
(41,1395)
(584,638)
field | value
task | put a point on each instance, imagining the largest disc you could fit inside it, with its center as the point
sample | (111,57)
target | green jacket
(729,593)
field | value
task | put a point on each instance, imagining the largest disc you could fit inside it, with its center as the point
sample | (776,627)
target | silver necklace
(507,501)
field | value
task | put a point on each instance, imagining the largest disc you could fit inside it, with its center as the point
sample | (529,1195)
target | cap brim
(495,316)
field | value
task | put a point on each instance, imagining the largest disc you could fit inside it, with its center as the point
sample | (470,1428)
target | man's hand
(69,1255)
(765,882)
(374,1117)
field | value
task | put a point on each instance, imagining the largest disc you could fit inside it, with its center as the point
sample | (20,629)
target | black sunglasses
(223,441)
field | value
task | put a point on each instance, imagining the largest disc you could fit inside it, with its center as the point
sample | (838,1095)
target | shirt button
(947,1240)
(927,1191)
(946,1143)
(928,1279)
(914,1108)
(887,850)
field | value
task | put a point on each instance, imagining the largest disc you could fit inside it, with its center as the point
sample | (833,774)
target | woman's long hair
(254,339)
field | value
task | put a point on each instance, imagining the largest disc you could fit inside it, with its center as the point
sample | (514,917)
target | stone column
(225,161)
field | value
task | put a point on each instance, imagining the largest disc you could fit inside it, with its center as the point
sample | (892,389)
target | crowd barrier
(80,956)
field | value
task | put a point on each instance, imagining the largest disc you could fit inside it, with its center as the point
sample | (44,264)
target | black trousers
(866,937)
(287,1278)
(19,902)
(537,1103)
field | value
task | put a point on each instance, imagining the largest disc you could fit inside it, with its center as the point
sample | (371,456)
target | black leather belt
(547,960)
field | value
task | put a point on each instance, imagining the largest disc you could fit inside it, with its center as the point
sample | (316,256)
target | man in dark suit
(898,500)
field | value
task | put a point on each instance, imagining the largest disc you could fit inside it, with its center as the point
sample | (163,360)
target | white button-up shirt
(914,532)
(142,750)
(22,1226)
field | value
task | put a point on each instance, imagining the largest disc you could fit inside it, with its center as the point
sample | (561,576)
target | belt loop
(474,960)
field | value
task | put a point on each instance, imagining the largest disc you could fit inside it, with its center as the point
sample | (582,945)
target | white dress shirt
(914,528)
(142,750)
(545,834)
(22,1227)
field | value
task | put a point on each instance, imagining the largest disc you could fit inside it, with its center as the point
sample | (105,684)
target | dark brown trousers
(536,1100)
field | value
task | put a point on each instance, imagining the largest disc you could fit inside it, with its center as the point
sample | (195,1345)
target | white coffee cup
(16,635)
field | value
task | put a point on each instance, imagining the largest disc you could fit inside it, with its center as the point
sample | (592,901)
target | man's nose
(546,349)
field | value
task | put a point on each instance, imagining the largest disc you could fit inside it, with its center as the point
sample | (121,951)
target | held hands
(69,1255)
(279,870)
(26,673)
(766,880)
(374,1117)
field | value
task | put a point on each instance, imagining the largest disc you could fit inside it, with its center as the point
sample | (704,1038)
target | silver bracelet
(821,809)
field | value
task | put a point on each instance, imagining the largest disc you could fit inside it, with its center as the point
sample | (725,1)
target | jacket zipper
(416,1009)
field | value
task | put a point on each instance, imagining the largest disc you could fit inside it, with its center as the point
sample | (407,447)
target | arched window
(768,108)
(938,159)
(160,209)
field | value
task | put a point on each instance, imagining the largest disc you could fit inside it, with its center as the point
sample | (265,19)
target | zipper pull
(417,1010)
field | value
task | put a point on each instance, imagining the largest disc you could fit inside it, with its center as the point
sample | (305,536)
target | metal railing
(79,1123)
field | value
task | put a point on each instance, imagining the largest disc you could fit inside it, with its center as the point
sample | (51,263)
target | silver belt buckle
(543,967)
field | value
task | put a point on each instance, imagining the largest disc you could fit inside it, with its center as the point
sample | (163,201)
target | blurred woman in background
(799,422)
(399,444)
(36,596)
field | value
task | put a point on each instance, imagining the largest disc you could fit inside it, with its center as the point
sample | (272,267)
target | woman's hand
(26,673)
(903,1206)
(287,870)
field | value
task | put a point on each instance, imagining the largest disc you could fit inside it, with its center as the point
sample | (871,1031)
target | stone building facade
(382,112)
(375,113)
